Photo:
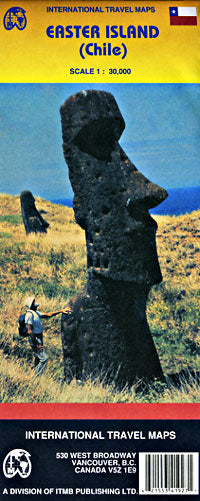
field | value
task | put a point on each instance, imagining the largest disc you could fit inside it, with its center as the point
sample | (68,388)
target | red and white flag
(184,16)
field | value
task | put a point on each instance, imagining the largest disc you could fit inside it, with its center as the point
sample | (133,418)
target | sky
(161,136)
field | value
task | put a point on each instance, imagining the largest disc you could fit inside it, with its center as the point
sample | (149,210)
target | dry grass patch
(53,267)
(178,245)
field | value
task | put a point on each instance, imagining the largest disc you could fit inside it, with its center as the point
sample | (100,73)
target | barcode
(169,473)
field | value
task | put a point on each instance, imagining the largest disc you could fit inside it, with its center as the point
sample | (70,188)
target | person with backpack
(32,325)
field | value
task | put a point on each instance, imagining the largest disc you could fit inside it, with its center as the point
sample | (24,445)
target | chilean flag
(185,16)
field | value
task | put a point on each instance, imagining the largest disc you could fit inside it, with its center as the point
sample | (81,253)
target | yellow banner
(99,41)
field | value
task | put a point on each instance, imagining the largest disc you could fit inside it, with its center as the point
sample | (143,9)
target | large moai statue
(107,334)
(33,221)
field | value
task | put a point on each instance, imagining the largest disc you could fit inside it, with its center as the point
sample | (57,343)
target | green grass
(13,219)
(173,315)
(5,234)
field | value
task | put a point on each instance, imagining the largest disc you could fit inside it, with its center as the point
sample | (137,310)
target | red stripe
(100,411)
(183,20)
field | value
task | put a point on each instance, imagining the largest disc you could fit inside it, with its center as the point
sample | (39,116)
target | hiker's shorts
(39,352)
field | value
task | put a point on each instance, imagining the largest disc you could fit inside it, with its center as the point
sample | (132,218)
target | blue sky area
(161,136)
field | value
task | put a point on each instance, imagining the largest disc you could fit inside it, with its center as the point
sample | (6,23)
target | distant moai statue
(107,334)
(33,221)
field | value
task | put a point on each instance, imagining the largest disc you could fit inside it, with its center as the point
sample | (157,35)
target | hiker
(35,331)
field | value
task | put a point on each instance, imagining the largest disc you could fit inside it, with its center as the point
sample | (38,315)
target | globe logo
(15,17)
(17,461)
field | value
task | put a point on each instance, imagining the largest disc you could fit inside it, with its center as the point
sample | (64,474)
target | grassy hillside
(53,266)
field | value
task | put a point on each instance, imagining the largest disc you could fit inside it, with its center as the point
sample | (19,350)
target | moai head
(111,197)
(28,202)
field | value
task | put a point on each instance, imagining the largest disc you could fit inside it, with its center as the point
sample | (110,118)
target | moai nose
(143,194)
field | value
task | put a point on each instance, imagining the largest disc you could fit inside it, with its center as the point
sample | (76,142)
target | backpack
(22,326)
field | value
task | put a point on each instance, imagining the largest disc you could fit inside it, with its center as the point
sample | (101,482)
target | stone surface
(107,333)
(33,221)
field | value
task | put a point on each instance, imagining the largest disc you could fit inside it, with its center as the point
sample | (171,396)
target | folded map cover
(99,236)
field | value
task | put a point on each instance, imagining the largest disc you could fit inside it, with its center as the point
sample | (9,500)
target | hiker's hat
(29,301)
